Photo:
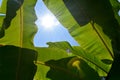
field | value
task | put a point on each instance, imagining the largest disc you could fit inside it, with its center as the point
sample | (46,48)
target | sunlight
(118,0)
(49,28)
(48,21)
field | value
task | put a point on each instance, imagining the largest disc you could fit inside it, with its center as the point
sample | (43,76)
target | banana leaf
(94,25)
(116,7)
(17,54)
(18,27)
(44,55)
(61,61)
(17,63)
(97,32)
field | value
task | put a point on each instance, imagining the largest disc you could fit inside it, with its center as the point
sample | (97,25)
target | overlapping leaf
(17,63)
(71,68)
(90,36)
(88,24)
(46,54)
(17,29)
(116,7)
(59,58)
(20,23)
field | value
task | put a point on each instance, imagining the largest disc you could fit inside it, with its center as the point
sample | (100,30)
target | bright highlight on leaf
(48,21)
(76,63)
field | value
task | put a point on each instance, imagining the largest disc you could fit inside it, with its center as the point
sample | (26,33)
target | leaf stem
(92,23)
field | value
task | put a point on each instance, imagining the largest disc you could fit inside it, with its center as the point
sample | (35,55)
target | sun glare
(48,21)
(118,0)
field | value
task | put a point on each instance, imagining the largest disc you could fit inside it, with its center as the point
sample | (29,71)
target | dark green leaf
(98,11)
(20,18)
(46,54)
(71,68)
(114,73)
(17,63)
(107,61)
(12,7)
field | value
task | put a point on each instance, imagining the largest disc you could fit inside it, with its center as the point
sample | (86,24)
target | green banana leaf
(19,23)
(71,68)
(116,7)
(94,61)
(17,63)
(98,29)
(61,61)
(17,54)
(46,54)
(89,35)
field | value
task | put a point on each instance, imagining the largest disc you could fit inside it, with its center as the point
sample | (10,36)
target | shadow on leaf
(71,68)
(99,12)
(2,32)
(12,7)
(107,61)
(114,73)
(17,63)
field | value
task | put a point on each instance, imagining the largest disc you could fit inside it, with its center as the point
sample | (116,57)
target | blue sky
(54,34)
(57,33)
(0,2)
